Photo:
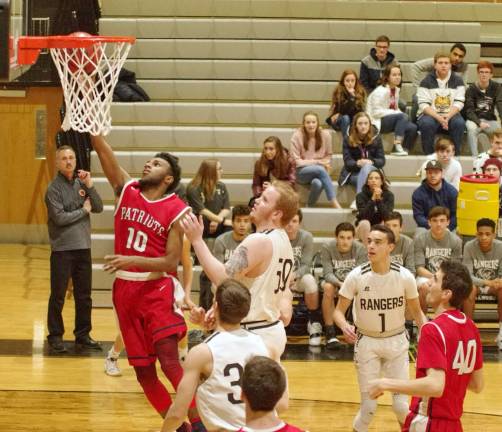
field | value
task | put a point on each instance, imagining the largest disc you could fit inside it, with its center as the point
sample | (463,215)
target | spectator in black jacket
(373,65)
(374,203)
(362,153)
(481,98)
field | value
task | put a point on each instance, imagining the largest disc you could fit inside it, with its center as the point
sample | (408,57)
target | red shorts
(417,423)
(146,314)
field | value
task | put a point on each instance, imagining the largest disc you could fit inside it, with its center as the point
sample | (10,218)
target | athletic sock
(314,315)
(112,354)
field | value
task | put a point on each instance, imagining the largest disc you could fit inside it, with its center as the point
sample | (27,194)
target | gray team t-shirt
(483,265)
(224,246)
(403,253)
(430,253)
(303,251)
(336,266)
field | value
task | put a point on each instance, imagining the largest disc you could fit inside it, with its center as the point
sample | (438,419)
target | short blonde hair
(288,201)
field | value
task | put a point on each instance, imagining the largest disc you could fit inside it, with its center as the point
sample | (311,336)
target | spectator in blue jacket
(434,191)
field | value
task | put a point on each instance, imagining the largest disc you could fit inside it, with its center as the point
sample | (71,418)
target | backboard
(12,26)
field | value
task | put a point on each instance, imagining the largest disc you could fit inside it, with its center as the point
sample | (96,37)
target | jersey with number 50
(449,342)
(141,225)
(267,288)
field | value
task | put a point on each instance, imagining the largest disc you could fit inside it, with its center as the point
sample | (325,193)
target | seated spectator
(433,246)
(349,98)
(226,243)
(311,150)
(444,152)
(339,256)
(373,203)
(483,259)
(208,196)
(493,167)
(421,68)
(275,163)
(434,191)
(425,66)
(495,151)
(304,282)
(403,249)
(362,153)
(441,97)
(385,114)
(373,65)
(481,98)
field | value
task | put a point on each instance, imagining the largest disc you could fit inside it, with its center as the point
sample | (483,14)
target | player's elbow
(476,383)
(437,387)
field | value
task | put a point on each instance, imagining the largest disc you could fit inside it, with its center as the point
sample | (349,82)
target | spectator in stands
(349,98)
(70,198)
(311,150)
(362,153)
(483,259)
(441,97)
(383,108)
(339,256)
(481,98)
(424,67)
(445,154)
(304,282)
(374,203)
(275,163)
(434,191)
(433,246)
(208,196)
(493,167)
(403,249)
(495,151)
(373,65)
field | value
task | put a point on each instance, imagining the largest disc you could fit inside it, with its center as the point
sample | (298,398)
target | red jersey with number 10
(142,226)
(450,342)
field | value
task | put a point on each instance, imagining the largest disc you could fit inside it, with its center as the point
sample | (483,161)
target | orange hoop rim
(29,47)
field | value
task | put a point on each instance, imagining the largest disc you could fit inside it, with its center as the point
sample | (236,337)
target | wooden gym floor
(71,393)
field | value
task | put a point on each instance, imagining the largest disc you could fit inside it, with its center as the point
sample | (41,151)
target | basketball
(83,58)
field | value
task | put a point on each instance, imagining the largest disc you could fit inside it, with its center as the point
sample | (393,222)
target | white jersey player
(213,369)
(381,291)
(263,262)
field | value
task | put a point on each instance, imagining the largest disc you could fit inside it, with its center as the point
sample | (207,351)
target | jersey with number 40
(267,288)
(451,343)
(141,225)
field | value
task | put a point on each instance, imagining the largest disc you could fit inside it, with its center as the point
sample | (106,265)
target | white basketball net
(88,77)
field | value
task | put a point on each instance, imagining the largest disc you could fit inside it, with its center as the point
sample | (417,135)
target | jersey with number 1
(451,343)
(219,396)
(266,288)
(142,226)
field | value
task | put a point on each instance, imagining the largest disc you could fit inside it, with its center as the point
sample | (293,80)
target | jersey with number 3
(266,288)
(449,342)
(141,225)
(219,396)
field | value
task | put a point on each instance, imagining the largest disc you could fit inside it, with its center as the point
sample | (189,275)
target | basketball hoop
(88,67)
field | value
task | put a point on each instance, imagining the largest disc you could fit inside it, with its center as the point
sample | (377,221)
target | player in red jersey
(263,384)
(449,361)
(148,245)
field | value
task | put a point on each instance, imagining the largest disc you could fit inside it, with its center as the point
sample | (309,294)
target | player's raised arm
(115,174)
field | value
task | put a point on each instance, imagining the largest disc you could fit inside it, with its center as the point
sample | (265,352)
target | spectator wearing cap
(493,167)
(434,191)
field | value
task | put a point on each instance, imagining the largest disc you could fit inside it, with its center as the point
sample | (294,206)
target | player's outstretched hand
(192,227)
(349,333)
(209,320)
(375,388)
(197,315)
(117,262)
